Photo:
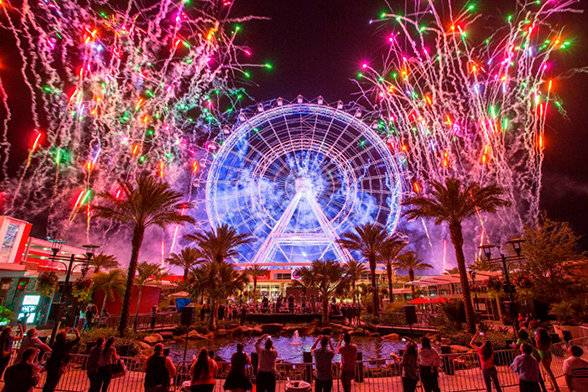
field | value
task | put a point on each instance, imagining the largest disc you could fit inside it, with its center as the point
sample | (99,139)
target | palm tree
(219,244)
(146,272)
(219,281)
(388,254)
(111,283)
(453,203)
(186,259)
(328,277)
(354,270)
(102,261)
(482,264)
(256,271)
(368,240)
(410,262)
(149,202)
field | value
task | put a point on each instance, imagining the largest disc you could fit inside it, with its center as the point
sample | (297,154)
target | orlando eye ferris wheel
(295,176)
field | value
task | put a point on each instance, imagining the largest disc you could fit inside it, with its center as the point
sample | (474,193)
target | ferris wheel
(296,176)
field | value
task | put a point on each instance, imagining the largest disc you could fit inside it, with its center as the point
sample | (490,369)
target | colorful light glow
(493,100)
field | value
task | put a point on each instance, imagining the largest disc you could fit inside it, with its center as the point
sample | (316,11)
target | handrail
(459,372)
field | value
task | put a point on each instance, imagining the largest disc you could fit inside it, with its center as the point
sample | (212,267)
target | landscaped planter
(576,330)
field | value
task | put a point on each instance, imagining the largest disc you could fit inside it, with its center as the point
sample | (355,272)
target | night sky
(316,47)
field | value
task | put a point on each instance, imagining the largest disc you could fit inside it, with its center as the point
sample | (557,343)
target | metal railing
(459,372)
(144,321)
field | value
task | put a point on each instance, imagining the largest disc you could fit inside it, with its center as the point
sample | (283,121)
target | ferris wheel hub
(304,185)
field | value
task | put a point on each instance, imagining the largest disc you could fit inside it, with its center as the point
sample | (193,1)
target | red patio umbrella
(439,300)
(419,301)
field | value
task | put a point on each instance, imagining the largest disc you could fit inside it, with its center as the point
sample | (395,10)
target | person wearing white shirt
(429,362)
(576,370)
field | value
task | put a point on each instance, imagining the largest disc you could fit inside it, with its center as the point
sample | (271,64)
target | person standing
(159,369)
(92,364)
(323,360)
(527,369)
(429,362)
(237,380)
(24,375)
(348,352)
(6,340)
(59,359)
(576,370)
(203,372)
(266,369)
(105,365)
(410,368)
(486,354)
(31,340)
(543,341)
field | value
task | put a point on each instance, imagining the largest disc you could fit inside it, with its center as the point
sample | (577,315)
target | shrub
(5,315)
(130,339)
(453,313)
(395,307)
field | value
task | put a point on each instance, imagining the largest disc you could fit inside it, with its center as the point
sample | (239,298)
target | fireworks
(462,94)
(117,91)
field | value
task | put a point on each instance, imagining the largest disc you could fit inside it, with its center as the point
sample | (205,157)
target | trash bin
(298,386)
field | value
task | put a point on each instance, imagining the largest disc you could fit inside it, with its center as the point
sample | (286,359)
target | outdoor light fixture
(320,100)
(516,245)
(280,101)
(487,250)
(56,246)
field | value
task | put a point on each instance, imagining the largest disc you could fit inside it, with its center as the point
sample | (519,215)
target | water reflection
(371,348)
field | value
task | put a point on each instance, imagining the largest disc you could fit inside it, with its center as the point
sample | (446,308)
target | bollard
(359,375)
(307,359)
(447,362)
(254,362)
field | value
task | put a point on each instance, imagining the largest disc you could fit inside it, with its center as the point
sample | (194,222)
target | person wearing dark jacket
(59,359)
(159,369)
(92,364)
(23,376)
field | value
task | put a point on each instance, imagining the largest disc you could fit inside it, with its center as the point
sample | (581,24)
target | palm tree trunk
(186,270)
(411,277)
(212,319)
(137,311)
(376,301)
(457,239)
(136,242)
(254,288)
(389,272)
(103,303)
(354,293)
(325,319)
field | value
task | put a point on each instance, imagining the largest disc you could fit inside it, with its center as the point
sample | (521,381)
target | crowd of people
(351,313)
(416,364)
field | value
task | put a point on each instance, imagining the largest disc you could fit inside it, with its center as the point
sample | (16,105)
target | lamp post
(503,259)
(70,267)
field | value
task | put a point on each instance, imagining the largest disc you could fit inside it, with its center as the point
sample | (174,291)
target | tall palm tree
(256,271)
(148,202)
(368,240)
(146,272)
(410,262)
(453,203)
(219,244)
(219,281)
(186,259)
(111,283)
(388,254)
(328,277)
(354,270)
(102,261)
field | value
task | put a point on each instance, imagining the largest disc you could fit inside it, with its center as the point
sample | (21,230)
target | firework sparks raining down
(117,91)
(458,97)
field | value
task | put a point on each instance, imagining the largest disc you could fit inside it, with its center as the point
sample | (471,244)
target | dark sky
(316,47)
